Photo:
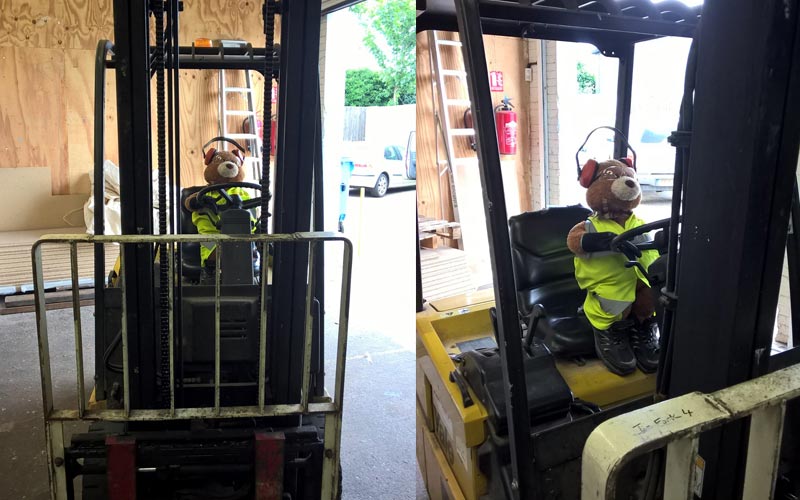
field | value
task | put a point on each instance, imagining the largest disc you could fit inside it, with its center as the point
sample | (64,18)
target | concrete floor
(378,440)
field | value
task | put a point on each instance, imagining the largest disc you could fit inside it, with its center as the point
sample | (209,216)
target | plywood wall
(503,54)
(47,85)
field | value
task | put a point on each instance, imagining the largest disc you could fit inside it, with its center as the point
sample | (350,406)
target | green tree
(365,87)
(391,39)
(587,83)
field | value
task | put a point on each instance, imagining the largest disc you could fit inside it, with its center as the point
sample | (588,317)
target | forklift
(205,385)
(509,389)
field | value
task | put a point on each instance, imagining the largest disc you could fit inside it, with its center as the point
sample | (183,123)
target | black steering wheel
(622,242)
(637,231)
(203,200)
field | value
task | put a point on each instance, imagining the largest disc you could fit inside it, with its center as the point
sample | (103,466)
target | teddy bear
(221,167)
(618,304)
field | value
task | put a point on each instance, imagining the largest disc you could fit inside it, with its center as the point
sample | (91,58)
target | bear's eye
(609,174)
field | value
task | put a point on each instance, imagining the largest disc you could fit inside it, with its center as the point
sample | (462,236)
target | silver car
(381,169)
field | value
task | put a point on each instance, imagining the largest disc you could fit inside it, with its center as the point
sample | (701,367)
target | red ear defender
(210,155)
(588,173)
(238,156)
(629,162)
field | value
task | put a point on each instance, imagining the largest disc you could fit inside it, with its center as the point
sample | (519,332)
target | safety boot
(644,342)
(613,348)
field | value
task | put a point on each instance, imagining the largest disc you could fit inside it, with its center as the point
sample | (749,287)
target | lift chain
(270,8)
(163,298)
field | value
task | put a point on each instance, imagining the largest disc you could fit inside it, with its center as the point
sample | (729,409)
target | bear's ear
(238,156)
(629,162)
(210,155)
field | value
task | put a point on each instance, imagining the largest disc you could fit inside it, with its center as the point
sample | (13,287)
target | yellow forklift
(208,382)
(508,385)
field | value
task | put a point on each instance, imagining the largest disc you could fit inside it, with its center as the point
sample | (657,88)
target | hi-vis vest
(206,221)
(610,286)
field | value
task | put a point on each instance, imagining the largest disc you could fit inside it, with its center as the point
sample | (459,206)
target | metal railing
(330,406)
(677,425)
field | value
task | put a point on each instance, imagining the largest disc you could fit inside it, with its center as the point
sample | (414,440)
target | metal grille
(330,406)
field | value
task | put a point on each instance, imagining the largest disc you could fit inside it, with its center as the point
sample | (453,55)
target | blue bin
(344,190)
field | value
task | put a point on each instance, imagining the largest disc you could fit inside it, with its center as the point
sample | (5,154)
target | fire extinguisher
(273,134)
(505,120)
(260,127)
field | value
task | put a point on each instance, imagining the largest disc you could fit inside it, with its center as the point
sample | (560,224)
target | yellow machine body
(449,434)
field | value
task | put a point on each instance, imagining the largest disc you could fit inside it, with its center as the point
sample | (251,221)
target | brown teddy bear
(221,167)
(618,301)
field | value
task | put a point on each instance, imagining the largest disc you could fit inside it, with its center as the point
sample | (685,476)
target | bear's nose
(231,168)
(630,183)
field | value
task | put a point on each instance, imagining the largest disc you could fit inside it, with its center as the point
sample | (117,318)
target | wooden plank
(29,299)
(49,307)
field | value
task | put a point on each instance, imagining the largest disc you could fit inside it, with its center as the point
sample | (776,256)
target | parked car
(655,161)
(383,168)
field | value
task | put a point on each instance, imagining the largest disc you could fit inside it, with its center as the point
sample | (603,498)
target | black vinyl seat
(545,274)
(190,252)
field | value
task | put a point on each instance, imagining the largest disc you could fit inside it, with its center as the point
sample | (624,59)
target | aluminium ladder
(444,124)
(253,139)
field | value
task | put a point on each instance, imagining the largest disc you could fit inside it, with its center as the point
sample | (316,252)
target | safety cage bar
(169,243)
(678,423)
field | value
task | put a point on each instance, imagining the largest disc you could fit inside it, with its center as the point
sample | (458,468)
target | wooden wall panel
(79,91)
(503,54)
(429,196)
(81,23)
(32,111)
(47,76)
(506,54)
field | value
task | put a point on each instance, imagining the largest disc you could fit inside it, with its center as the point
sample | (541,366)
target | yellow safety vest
(610,286)
(206,221)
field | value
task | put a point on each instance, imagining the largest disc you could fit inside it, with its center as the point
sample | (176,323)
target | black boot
(644,342)
(613,348)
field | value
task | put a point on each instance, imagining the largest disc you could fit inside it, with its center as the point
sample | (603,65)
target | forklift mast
(216,383)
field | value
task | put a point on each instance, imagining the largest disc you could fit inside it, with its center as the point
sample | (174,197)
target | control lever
(458,379)
(537,313)
(638,265)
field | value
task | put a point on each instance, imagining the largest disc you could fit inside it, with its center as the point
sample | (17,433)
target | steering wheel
(204,200)
(643,229)
(655,244)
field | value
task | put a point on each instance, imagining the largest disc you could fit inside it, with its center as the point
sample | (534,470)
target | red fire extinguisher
(505,120)
(260,127)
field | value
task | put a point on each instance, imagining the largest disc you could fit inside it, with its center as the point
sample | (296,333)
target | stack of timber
(16,271)
(445,273)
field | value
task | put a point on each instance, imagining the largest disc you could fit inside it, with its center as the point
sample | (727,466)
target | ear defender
(587,173)
(210,155)
(629,162)
(238,156)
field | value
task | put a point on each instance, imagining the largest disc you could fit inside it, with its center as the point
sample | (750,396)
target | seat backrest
(539,245)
